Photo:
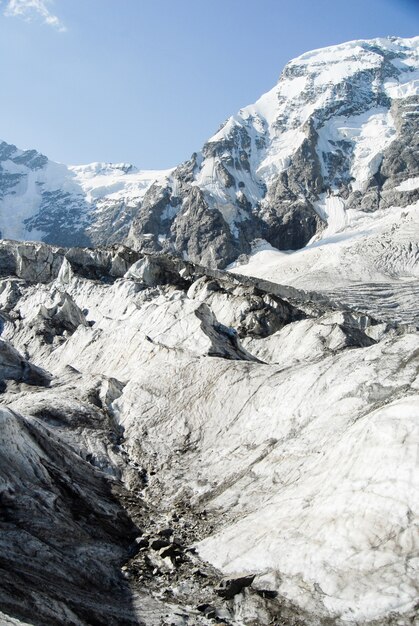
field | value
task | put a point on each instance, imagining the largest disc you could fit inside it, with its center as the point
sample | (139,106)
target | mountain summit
(337,133)
(68,205)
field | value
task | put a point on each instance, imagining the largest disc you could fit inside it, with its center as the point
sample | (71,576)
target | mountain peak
(339,121)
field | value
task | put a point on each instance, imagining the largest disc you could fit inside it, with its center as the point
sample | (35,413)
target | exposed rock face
(187,446)
(230,587)
(13,366)
(335,138)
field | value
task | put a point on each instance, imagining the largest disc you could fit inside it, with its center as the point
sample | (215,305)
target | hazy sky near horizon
(148,81)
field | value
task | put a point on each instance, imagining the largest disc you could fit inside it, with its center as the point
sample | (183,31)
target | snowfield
(370,264)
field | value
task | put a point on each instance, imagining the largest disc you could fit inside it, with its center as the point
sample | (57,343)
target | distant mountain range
(335,139)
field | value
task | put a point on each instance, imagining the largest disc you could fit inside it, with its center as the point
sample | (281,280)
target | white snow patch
(115,182)
(322,525)
(278,157)
(405,86)
(20,205)
(408,185)
(373,247)
(370,134)
(332,209)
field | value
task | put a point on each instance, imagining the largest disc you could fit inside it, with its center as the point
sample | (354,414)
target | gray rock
(62,535)
(13,366)
(230,586)
(158,543)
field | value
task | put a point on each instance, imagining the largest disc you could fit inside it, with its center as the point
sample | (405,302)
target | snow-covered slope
(372,264)
(68,205)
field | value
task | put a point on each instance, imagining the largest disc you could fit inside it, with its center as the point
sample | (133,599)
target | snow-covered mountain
(332,143)
(334,140)
(68,205)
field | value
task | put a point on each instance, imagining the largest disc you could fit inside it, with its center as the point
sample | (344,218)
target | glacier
(209,375)
(267,430)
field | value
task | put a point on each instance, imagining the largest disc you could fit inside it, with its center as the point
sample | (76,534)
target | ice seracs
(272,436)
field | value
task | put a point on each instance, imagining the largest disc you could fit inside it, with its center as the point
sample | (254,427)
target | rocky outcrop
(399,164)
(230,587)
(13,366)
(64,536)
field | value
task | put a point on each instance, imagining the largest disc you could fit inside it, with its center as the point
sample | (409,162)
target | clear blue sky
(148,81)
